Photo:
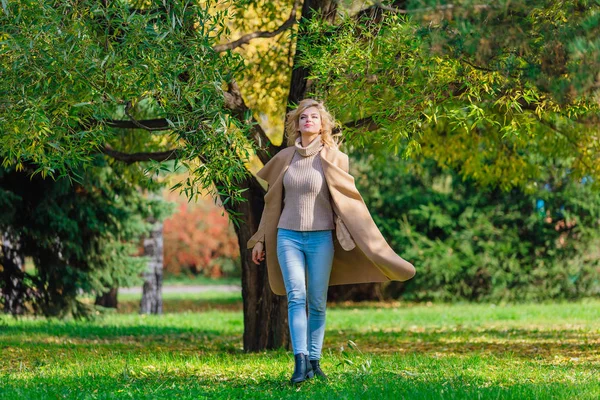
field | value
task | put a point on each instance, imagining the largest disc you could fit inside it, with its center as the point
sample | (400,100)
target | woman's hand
(257,253)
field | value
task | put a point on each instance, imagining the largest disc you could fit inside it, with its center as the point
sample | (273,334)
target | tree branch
(235,102)
(137,123)
(159,124)
(130,158)
(368,123)
(260,34)
(300,83)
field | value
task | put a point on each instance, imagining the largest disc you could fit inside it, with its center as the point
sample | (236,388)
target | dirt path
(186,289)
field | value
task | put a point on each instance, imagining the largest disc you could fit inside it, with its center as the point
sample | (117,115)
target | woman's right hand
(257,253)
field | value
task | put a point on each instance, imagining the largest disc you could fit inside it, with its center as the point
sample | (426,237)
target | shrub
(474,243)
(199,239)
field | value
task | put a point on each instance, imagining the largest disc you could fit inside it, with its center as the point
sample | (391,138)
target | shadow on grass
(108,333)
(515,343)
(175,305)
(518,343)
(62,352)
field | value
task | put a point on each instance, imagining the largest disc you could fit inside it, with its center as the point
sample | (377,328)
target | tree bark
(13,291)
(108,299)
(300,84)
(265,314)
(151,302)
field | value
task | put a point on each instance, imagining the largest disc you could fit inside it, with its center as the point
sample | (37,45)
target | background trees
(199,240)
(82,237)
(492,91)
(75,75)
(479,244)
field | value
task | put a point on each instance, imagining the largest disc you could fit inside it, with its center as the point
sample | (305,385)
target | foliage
(69,68)
(198,239)
(392,351)
(492,91)
(476,244)
(475,96)
(553,45)
(264,80)
(83,237)
(477,87)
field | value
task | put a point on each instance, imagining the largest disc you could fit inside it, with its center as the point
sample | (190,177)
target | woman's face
(309,121)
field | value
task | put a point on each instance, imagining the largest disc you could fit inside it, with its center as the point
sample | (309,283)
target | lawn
(198,280)
(384,351)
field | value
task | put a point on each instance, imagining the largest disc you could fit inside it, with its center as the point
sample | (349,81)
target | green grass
(384,351)
(182,279)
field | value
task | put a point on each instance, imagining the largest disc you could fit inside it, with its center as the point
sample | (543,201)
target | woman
(317,231)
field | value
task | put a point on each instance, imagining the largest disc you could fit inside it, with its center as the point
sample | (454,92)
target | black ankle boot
(303,369)
(317,369)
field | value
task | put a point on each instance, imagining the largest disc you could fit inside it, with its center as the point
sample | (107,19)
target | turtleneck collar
(313,148)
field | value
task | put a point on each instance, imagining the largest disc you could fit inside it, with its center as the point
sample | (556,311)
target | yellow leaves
(492,157)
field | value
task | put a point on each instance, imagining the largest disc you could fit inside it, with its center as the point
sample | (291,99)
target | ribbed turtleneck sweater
(307,204)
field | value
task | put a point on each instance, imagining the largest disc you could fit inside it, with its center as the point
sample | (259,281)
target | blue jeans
(306,256)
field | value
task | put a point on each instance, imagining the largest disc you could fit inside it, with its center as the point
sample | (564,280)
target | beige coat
(372,260)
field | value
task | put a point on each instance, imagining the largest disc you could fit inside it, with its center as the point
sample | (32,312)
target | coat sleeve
(259,236)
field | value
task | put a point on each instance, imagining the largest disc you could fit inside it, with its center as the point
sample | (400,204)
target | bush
(473,243)
(199,239)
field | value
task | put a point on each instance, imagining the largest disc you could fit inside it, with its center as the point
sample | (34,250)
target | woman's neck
(307,139)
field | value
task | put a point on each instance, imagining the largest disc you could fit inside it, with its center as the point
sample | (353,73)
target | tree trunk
(13,291)
(300,84)
(151,302)
(265,314)
(108,299)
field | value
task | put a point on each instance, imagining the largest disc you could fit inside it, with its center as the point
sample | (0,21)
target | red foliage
(196,237)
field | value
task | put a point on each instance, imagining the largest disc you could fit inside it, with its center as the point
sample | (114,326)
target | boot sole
(310,375)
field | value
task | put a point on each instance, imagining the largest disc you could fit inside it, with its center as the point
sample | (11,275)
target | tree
(491,90)
(485,244)
(13,293)
(151,302)
(89,69)
(200,240)
(81,237)
(73,72)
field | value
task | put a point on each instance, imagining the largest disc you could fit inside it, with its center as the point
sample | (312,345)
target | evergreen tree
(83,237)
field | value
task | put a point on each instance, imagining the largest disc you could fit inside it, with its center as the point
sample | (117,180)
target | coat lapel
(274,170)
(273,173)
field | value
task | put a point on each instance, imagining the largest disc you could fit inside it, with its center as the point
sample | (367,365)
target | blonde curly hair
(328,123)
